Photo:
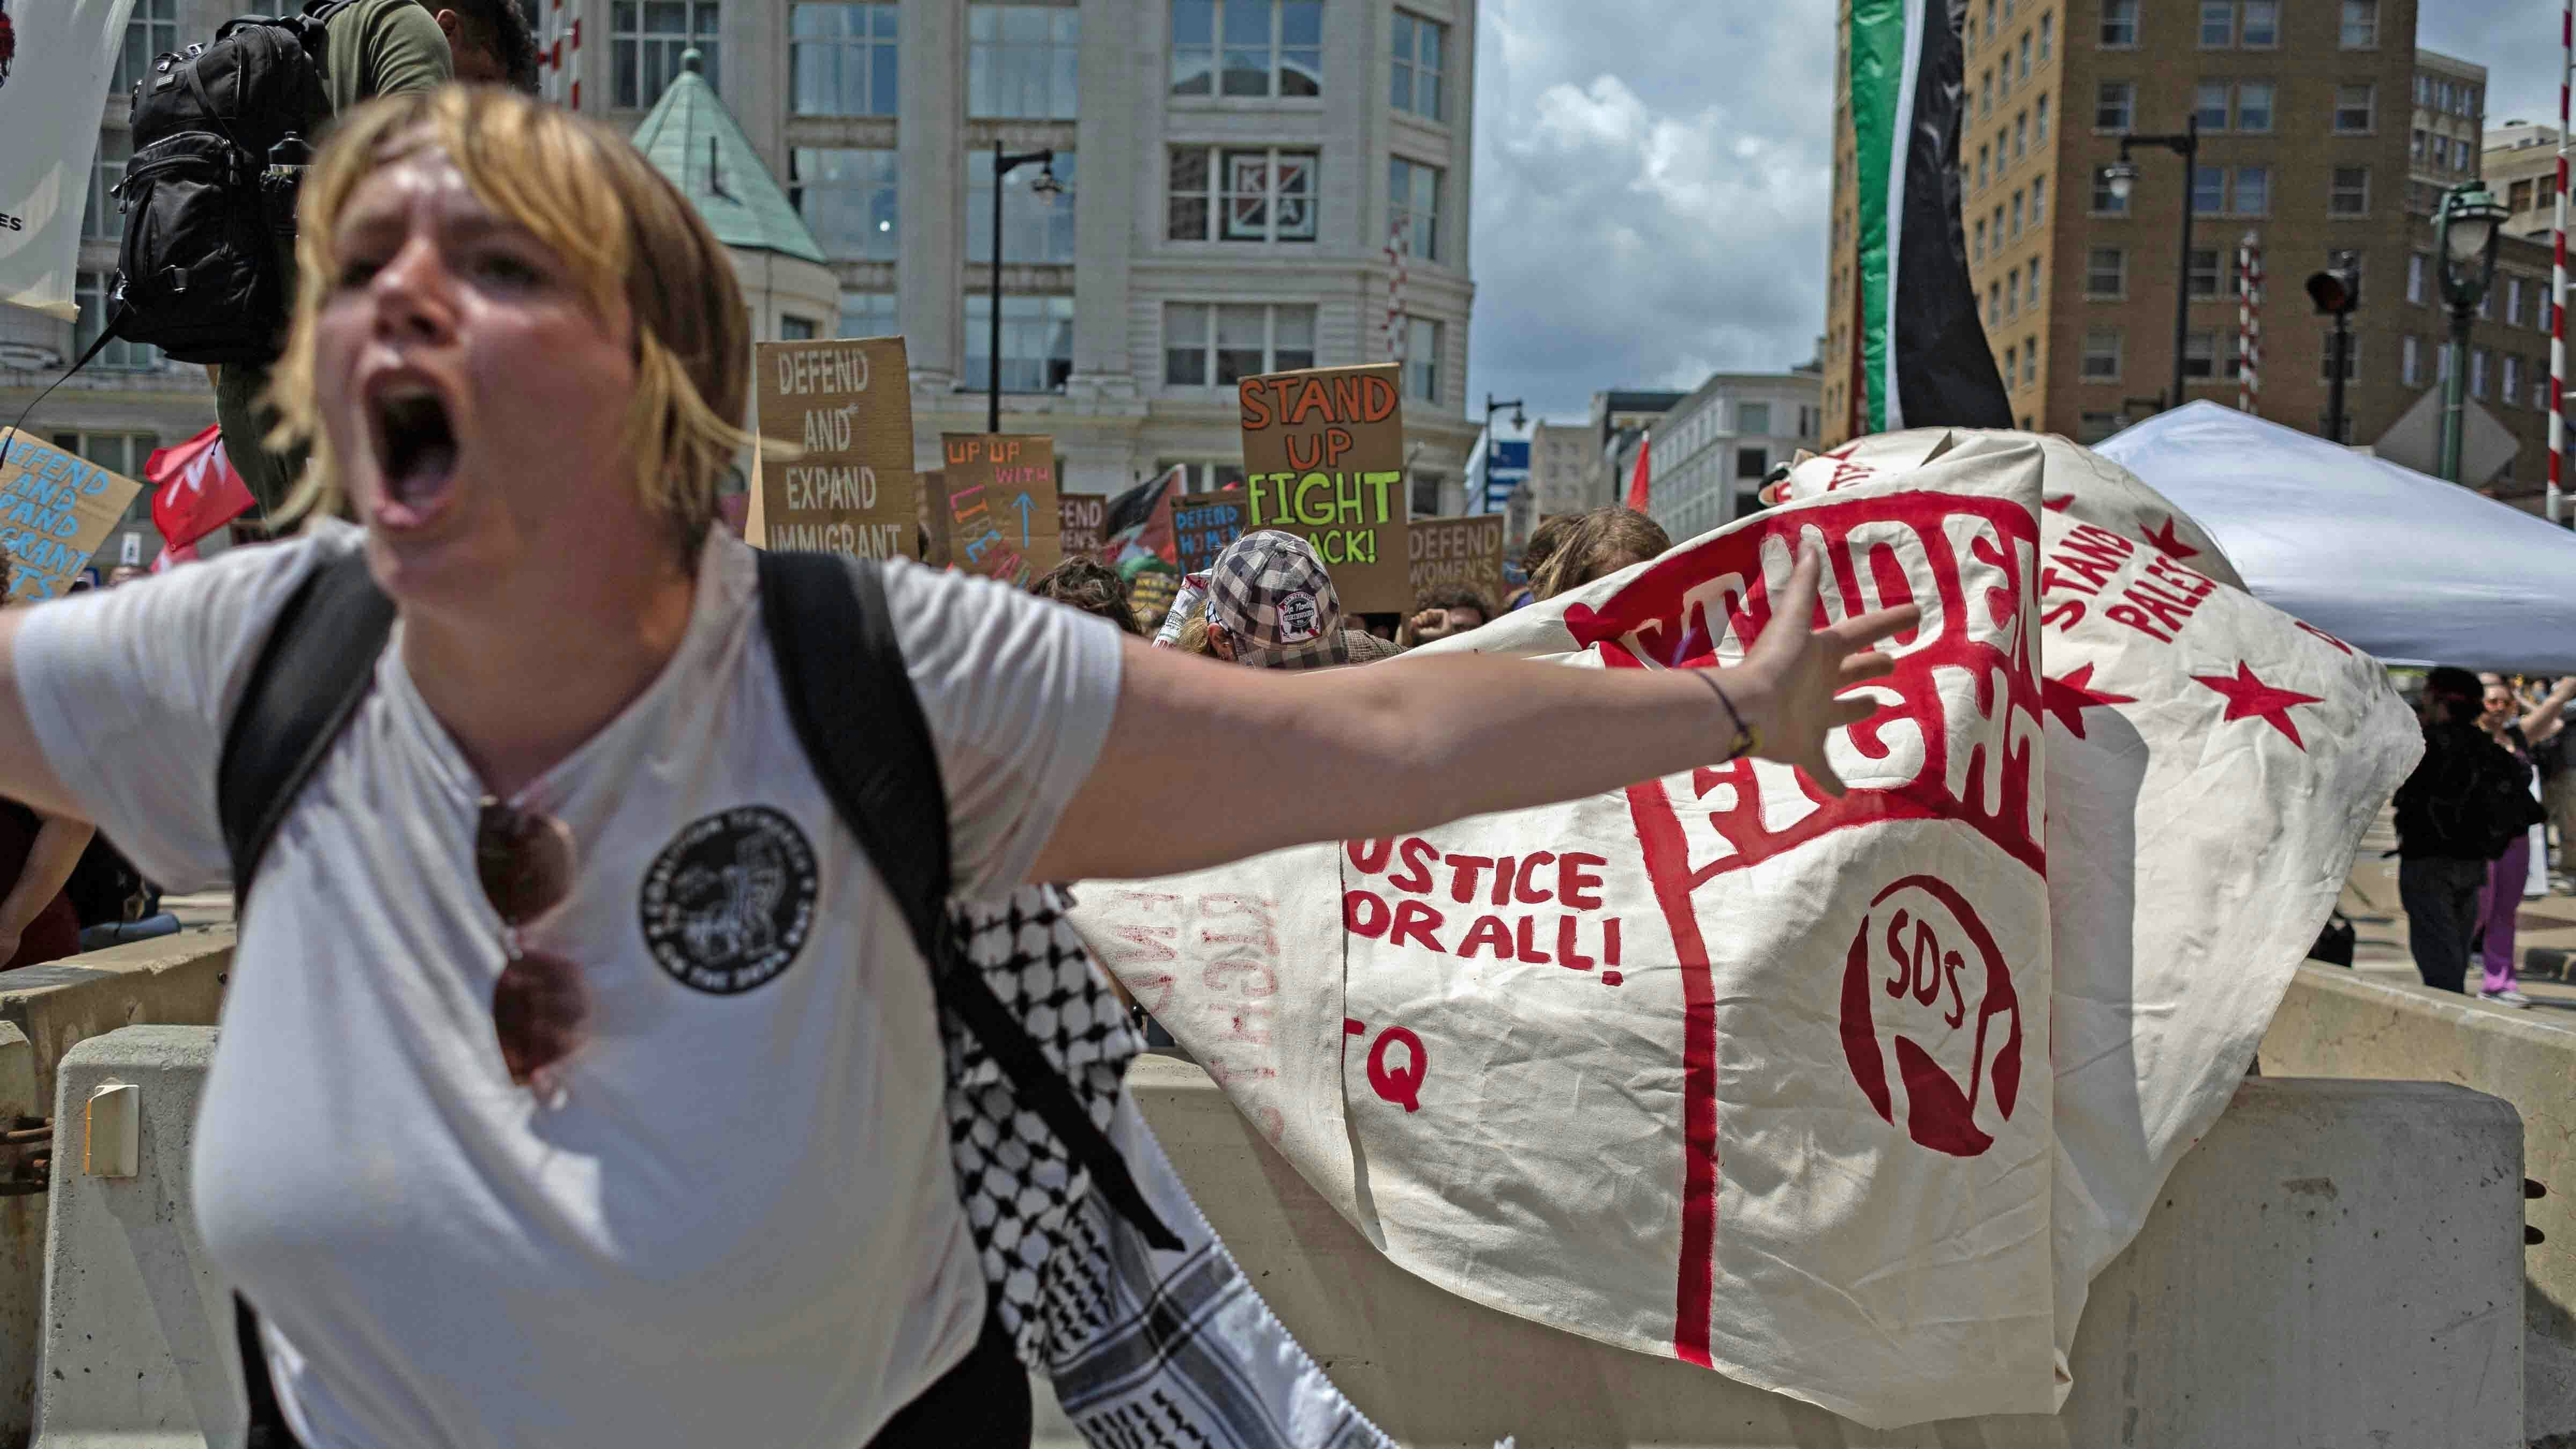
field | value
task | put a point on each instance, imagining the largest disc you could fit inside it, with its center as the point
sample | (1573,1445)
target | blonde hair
(1594,546)
(621,228)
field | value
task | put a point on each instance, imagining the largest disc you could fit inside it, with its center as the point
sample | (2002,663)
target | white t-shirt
(741,1226)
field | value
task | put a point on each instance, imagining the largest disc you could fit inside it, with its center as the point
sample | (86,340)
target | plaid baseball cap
(1273,595)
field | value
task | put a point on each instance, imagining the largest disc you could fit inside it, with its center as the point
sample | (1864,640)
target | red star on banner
(2168,545)
(2068,698)
(2250,698)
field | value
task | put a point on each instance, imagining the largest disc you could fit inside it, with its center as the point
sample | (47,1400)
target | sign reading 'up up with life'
(1323,458)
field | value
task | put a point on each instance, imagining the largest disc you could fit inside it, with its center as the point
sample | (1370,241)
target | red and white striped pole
(2249,320)
(2558,275)
(550,61)
(1397,246)
(572,58)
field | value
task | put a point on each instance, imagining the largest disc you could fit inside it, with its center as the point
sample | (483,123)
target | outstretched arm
(2549,716)
(1209,763)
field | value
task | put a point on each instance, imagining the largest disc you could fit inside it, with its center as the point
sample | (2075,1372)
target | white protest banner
(56,57)
(1846,1099)
(55,510)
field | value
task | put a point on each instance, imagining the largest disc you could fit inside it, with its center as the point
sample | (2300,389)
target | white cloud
(1651,194)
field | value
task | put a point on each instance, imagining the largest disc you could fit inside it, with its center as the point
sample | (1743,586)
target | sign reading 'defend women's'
(55,510)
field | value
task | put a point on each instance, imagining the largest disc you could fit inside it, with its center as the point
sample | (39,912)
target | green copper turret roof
(692,139)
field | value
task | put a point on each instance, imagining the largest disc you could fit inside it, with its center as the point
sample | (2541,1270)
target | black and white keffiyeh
(1145,1348)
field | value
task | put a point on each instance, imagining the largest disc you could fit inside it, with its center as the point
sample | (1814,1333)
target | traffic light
(2337,289)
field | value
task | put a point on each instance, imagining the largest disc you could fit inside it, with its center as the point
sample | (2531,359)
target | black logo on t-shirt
(730,901)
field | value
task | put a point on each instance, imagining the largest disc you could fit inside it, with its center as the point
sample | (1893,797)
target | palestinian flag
(1921,358)
(1139,526)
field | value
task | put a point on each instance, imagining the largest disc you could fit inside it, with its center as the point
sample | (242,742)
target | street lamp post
(2336,291)
(2122,178)
(1520,420)
(2465,231)
(1045,186)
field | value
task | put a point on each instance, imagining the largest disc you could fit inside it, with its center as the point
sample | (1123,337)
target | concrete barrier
(2335,1264)
(46,1011)
(138,1347)
(2337,1023)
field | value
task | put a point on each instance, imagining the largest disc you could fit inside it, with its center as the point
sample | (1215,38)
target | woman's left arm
(2549,716)
(57,848)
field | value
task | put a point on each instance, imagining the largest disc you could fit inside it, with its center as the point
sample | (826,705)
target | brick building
(2322,130)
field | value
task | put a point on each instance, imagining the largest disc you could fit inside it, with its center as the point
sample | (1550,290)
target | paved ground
(2370,899)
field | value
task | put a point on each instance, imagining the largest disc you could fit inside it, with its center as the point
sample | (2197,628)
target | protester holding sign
(570,836)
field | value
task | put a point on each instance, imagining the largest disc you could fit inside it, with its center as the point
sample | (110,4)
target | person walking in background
(2512,729)
(2452,822)
(37,853)
(1595,546)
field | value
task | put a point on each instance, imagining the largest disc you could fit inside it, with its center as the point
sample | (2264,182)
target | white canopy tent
(2408,567)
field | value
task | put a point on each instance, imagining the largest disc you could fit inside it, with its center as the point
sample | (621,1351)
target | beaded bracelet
(1748,740)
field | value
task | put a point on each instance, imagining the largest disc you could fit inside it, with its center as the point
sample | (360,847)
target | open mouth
(415,443)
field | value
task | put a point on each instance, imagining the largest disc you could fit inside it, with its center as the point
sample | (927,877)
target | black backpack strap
(318,663)
(853,705)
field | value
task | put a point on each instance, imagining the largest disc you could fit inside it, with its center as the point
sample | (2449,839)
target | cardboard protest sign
(1204,525)
(845,409)
(1082,523)
(1150,593)
(999,509)
(56,508)
(933,519)
(1323,458)
(1846,1098)
(1448,553)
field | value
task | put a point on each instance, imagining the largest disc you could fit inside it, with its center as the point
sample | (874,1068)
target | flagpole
(2249,320)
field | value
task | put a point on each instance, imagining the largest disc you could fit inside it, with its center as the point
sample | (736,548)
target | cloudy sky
(1652,176)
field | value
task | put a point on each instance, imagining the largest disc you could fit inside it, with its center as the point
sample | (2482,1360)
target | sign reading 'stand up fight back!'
(56,508)
(845,484)
(1001,515)
(1323,458)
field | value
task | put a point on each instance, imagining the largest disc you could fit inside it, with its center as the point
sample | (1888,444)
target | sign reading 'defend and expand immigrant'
(1082,522)
(1449,553)
(845,410)
(1323,458)
(1000,510)
(55,510)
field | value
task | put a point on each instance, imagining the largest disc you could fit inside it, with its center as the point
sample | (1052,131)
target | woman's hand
(1794,675)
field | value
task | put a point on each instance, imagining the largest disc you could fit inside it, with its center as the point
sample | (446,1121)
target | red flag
(171,558)
(1637,485)
(194,489)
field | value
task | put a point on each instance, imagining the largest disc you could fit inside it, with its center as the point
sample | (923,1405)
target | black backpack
(221,134)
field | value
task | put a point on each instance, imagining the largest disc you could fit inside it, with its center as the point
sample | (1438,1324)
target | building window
(2047,34)
(2038,200)
(2012,366)
(1253,48)
(843,57)
(1035,228)
(645,39)
(2039,122)
(1220,344)
(2252,195)
(2021,135)
(2355,109)
(2208,190)
(2410,360)
(1037,343)
(2261,26)
(848,199)
(868,314)
(120,453)
(2012,293)
(2360,24)
(1413,197)
(1994,305)
(2209,105)
(2030,289)
(2200,357)
(2540,387)
(100,218)
(2217,24)
(2254,106)
(1241,195)
(2351,193)
(2025,58)
(1422,358)
(1418,65)
(1986,94)
(1982,154)
(2016,213)
(2094,427)
(1753,463)
(2119,24)
(2201,277)
(2029,365)
(152,31)
(2115,106)
(2105,201)
(1978,247)
(1753,417)
(2478,371)
(2518,196)
(2511,394)
(2101,355)
(2419,269)
(89,290)
(2351,357)
(795,329)
(1021,62)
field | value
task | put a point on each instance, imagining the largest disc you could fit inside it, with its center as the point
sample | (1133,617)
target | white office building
(1247,185)
(1707,456)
